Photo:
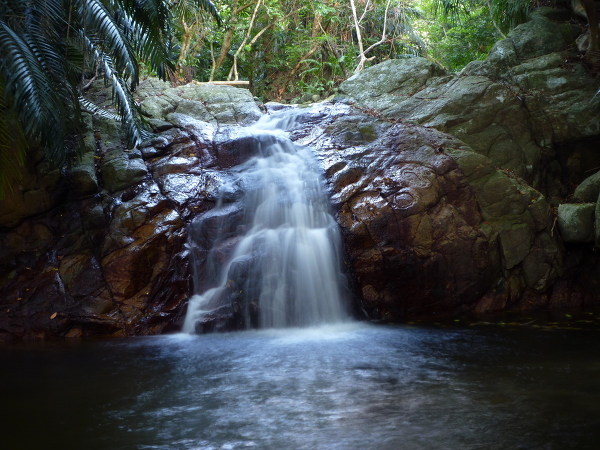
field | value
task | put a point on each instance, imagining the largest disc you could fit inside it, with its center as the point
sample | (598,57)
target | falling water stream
(284,269)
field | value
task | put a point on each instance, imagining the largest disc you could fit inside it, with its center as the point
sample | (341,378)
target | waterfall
(271,258)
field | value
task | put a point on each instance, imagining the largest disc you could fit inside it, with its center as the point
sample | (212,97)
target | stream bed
(348,386)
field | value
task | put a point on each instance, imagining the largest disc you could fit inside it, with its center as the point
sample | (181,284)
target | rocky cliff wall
(101,250)
(450,189)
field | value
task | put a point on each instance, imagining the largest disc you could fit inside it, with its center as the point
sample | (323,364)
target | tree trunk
(233,72)
(361,50)
(186,40)
(229,34)
(227,40)
(592,16)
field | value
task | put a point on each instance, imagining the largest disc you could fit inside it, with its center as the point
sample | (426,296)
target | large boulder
(531,110)
(589,189)
(430,226)
(528,95)
(216,104)
(576,222)
(484,114)
(101,251)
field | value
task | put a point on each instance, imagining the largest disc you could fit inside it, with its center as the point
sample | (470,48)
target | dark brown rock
(111,259)
(430,225)
(409,216)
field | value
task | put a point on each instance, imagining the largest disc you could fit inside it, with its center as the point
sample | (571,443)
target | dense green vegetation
(51,50)
(291,48)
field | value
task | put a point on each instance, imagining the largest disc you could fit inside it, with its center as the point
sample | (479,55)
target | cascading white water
(285,269)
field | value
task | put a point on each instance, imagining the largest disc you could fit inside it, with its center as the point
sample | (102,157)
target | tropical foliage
(465,30)
(50,49)
(503,14)
(289,48)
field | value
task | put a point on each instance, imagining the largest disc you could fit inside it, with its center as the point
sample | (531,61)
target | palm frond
(157,53)
(152,32)
(122,99)
(48,48)
(39,109)
(13,145)
(210,8)
(92,108)
(183,8)
(506,13)
(125,104)
(450,9)
(509,13)
(148,14)
(100,23)
(153,27)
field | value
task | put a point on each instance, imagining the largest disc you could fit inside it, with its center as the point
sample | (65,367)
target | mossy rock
(576,222)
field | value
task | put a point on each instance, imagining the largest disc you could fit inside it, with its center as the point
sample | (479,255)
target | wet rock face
(411,223)
(530,94)
(429,225)
(94,270)
(103,250)
(531,111)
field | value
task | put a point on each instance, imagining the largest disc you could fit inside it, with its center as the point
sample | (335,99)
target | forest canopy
(290,48)
(51,51)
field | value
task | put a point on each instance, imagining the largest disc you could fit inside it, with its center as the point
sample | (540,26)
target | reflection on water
(353,386)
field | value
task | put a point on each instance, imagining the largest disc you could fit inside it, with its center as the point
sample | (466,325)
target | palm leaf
(189,8)
(153,48)
(92,108)
(100,23)
(451,9)
(27,83)
(506,13)
(509,13)
(151,32)
(48,46)
(13,145)
(210,8)
(125,104)
(122,98)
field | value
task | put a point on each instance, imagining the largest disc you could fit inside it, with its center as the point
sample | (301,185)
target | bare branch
(362,55)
